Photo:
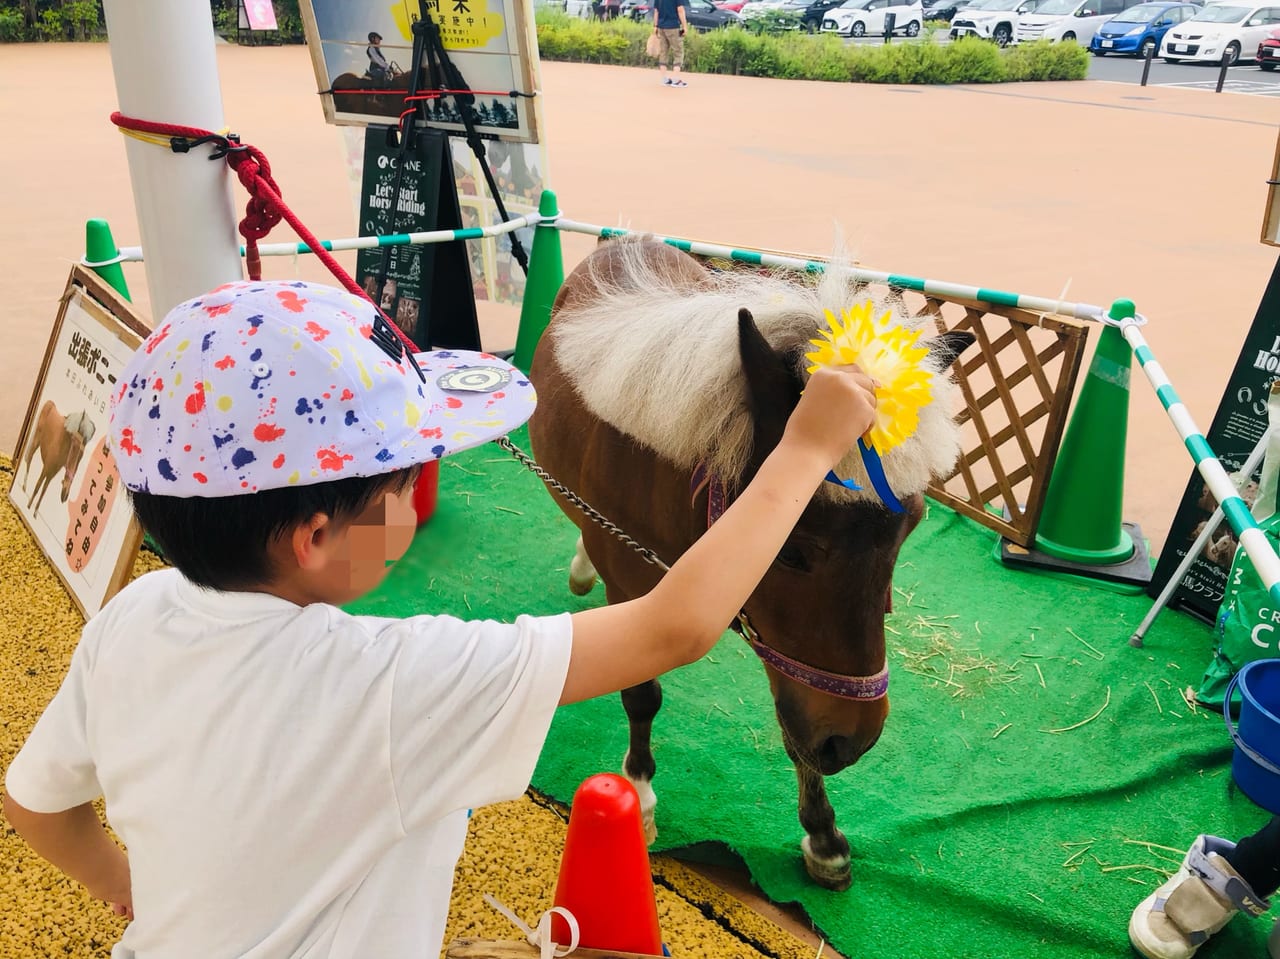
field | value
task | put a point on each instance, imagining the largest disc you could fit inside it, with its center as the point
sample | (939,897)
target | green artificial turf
(977,830)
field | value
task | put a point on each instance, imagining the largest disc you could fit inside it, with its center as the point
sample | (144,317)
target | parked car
(1220,29)
(704,15)
(1076,20)
(857,18)
(991,19)
(941,9)
(814,12)
(1268,54)
(1139,29)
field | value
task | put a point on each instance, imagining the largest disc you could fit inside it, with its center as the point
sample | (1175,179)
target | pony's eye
(793,557)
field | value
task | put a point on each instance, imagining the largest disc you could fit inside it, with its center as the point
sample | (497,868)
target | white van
(1076,20)
(860,18)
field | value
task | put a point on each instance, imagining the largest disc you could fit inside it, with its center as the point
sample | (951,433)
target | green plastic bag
(1248,625)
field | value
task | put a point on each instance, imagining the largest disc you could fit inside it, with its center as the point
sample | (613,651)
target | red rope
(265,207)
(431,94)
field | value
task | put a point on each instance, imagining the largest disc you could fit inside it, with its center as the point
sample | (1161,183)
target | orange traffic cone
(605,879)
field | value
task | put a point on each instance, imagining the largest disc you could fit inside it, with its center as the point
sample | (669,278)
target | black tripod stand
(443,75)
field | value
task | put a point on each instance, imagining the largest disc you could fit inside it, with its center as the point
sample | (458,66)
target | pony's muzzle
(840,752)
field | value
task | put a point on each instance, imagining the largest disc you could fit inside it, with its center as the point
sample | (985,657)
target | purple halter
(865,688)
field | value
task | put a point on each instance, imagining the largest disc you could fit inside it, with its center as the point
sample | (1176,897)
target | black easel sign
(1237,426)
(427,287)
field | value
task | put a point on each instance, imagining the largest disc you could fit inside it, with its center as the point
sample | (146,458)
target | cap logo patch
(474,379)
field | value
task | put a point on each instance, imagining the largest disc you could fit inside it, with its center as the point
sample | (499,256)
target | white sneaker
(1197,901)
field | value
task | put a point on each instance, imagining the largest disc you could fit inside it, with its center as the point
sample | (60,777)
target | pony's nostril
(838,752)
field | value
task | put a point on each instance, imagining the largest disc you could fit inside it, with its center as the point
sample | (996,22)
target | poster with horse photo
(65,485)
(362,52)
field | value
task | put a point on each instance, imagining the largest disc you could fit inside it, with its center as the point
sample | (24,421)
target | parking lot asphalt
(1244,78)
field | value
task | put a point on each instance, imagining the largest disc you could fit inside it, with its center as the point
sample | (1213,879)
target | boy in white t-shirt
(290,780)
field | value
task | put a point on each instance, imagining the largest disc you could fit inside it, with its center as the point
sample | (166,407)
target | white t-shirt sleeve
(54,770)
(471,704)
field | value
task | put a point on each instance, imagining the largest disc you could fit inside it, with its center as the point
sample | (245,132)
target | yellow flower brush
(890,355)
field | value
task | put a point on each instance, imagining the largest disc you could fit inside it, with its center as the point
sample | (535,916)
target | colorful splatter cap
(264,385)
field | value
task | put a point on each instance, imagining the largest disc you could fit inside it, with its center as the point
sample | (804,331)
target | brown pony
(61,441)
(661,388)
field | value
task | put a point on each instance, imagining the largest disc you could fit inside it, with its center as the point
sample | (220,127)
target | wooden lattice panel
(1017,381)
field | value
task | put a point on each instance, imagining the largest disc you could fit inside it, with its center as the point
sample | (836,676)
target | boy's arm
(686,613)
(75,841)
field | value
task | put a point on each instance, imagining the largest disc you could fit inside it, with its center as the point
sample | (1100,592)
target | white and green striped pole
(133,254)
(1207,463)
(1035,304)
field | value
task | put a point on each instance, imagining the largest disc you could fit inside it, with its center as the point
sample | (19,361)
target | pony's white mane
(659,361)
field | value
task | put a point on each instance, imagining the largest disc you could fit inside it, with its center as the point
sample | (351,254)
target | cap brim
(475,398)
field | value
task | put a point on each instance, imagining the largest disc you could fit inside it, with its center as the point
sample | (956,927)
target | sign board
(426,288)
(1237,426)
(65,485)
(257,15)
(362,51)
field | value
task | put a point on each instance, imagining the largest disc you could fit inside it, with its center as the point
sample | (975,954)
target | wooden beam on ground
(483,949)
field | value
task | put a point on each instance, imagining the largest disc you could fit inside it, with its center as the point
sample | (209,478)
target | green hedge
(793,56)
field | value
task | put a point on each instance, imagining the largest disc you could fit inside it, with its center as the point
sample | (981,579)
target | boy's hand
(837,407)
(115,887)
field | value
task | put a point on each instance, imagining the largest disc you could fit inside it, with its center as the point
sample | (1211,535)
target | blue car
(1138,30)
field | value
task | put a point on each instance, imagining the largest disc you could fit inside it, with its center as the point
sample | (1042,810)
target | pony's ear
(773,389)
(946,348)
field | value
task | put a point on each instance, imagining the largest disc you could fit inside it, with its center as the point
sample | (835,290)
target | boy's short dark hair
(221,543)
(374,36)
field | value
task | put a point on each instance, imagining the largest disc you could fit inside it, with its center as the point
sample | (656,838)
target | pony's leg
(642,703)
(31,451)
(582,575)
(37,493)
(826,851)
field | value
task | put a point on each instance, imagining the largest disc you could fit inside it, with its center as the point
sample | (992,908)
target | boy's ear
(309,542)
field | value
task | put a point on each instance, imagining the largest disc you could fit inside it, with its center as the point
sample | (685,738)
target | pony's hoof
(582,575)
(581,585)
(648,805)
(830,872)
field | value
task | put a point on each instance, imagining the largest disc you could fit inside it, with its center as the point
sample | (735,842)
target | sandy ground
(1012,187)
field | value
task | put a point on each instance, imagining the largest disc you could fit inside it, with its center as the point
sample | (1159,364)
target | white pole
(162,54)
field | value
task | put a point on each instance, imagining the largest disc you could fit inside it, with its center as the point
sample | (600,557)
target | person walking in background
(1217,879)
(669,24)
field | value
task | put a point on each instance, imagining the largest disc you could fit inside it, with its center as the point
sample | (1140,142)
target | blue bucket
(1255,765)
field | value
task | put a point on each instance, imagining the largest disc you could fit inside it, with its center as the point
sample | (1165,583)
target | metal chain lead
(588,510)
(846,687)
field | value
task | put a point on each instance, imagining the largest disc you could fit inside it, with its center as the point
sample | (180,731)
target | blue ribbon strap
(875,472)
(847,484)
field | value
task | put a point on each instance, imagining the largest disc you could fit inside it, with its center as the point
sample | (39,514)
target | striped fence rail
(1236,511)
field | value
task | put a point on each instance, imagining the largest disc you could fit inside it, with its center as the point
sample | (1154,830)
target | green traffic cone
(546,276)
(1080,521)
(99,247)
